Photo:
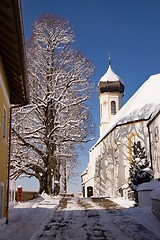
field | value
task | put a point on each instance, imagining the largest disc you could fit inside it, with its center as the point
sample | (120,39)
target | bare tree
(60,84)
(68,163)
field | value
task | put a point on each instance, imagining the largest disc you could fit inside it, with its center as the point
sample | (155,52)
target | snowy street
(79,219)
(26,218)
(88,219)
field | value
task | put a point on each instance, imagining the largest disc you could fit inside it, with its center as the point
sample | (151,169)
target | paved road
(97,219)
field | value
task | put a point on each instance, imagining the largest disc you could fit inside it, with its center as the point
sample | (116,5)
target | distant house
(110,158)
(13,86)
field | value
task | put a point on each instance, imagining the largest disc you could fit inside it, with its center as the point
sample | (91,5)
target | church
(110,158)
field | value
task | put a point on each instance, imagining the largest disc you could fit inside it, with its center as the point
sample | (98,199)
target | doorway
(89,191)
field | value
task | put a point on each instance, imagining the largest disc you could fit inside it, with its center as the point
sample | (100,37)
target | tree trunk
(57,181)
(45,183)
(65,178)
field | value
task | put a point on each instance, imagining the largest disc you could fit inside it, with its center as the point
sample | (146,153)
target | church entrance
(83,191)
(89,191)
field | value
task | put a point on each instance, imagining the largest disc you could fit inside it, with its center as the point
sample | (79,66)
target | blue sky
(128,29)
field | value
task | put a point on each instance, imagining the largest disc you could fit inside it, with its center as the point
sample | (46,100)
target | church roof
(110,82)
(141,106)
(85,172)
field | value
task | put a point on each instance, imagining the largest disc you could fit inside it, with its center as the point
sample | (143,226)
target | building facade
(154,131)
(13,85)
(110,158)
(4,122)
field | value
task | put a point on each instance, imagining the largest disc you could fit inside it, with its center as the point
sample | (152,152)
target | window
(4,122)
(113,108)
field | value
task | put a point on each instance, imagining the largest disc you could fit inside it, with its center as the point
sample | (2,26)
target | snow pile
(149,186)
(45,196)
(146,218)
(123,202)
(155,194)
(143,216)
(26,218)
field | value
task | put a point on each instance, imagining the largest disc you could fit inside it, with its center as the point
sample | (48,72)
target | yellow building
(13,87)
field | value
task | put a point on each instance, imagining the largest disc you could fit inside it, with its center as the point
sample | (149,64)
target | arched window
(113,107)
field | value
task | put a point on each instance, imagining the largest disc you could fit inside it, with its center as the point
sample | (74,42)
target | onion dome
(110,82)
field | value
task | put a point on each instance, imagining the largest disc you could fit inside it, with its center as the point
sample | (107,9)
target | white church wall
(108,162)
(118,158)
(90,165)
(114,154)
(89,183)
(97,171)
(154,129)
(132,133)
(87,179)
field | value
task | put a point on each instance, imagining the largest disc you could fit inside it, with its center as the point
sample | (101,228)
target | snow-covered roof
(144,103)
(85,172)
(154,116)
(110,76)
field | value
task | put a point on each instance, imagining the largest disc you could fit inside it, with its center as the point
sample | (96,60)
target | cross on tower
(109,58)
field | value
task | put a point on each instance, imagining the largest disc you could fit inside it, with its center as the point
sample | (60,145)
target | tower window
(113,107)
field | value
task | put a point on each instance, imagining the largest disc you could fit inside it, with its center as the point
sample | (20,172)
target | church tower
(110,90)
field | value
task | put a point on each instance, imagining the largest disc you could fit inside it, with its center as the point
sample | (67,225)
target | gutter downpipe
(8,167)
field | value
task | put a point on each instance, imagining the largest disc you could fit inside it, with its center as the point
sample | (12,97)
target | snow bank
(45,196)
(149,186)
(26,218)
(146,218)
(122,202)
(155,194)
(144,193)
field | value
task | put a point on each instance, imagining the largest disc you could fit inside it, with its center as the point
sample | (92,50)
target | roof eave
(12,50)
(17,11)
